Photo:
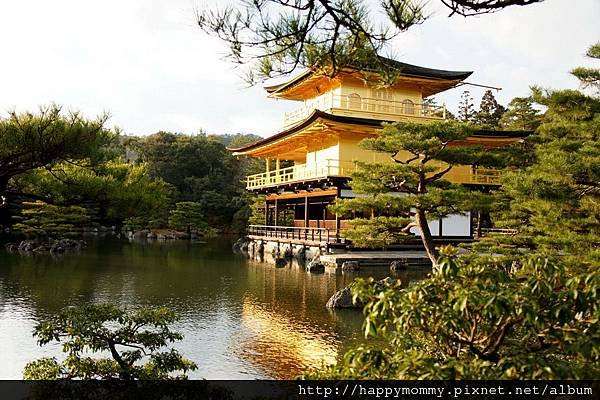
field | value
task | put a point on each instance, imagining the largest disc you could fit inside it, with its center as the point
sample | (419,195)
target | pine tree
(554,205)
(43,220)
(188,215)
(466,109)
(589,77)
(521,115)
(403,195)
(274,37)
(129,345)
(490,111)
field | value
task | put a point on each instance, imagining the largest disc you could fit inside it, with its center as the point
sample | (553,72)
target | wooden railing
(499,231)
(330,167)
(467,174)
(307,234)
(300,172)
(366,107)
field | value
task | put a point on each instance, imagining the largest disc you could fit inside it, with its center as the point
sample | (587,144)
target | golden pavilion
(308,164)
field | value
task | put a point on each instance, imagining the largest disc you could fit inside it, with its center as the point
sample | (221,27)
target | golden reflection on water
(282,345)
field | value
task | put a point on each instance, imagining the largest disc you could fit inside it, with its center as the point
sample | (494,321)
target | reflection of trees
(206,285)
(124,273)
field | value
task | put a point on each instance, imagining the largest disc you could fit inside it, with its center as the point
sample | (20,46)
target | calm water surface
(241,320)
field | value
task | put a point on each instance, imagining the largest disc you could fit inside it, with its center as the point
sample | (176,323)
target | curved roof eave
(316,114)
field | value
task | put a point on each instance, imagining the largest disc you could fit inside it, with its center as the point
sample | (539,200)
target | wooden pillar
(266,212)
(276,212)
(337,217)
(277,165)
(306,211)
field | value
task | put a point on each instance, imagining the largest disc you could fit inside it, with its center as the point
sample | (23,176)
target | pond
(240,319)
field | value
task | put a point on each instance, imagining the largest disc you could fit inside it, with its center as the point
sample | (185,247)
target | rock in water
(315,266)
(342,299)
(11,247)
(27,245)
(242,245)
(280,262)
(288,252)
(350,266)
(397,265)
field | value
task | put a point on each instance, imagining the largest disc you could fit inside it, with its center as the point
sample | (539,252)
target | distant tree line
(519,115)
(61,172)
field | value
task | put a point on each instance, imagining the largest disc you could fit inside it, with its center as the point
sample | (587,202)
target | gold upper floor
(354,93)
(377,104)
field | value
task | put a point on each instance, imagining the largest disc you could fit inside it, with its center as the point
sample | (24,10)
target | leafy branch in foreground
(276,37)
(481,319)
(132,338)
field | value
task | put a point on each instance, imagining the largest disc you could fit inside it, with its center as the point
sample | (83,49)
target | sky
(149,65)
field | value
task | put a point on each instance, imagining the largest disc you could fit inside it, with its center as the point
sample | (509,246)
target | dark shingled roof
(404,68)
(417,71)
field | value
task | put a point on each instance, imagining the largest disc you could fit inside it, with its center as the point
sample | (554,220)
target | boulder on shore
(142,234)
(53,246)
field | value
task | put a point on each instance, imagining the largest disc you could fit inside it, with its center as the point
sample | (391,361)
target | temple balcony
(299,173)
(354,105)
(463,174)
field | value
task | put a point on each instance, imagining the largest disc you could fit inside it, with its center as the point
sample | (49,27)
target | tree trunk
(479,224)
(421,221)
(124,372)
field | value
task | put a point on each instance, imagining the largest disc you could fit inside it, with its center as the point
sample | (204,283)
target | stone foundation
(273,251)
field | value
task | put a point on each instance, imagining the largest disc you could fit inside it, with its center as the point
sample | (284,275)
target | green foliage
(188,215)
(132,338)
(39,219)
(412,189)
(114,190)
(201,170)
(257,207)
(29,141)
(554,203)
(478,318)
(489,113)
(236,140)
(377,231)
(520,115)
(589,77)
